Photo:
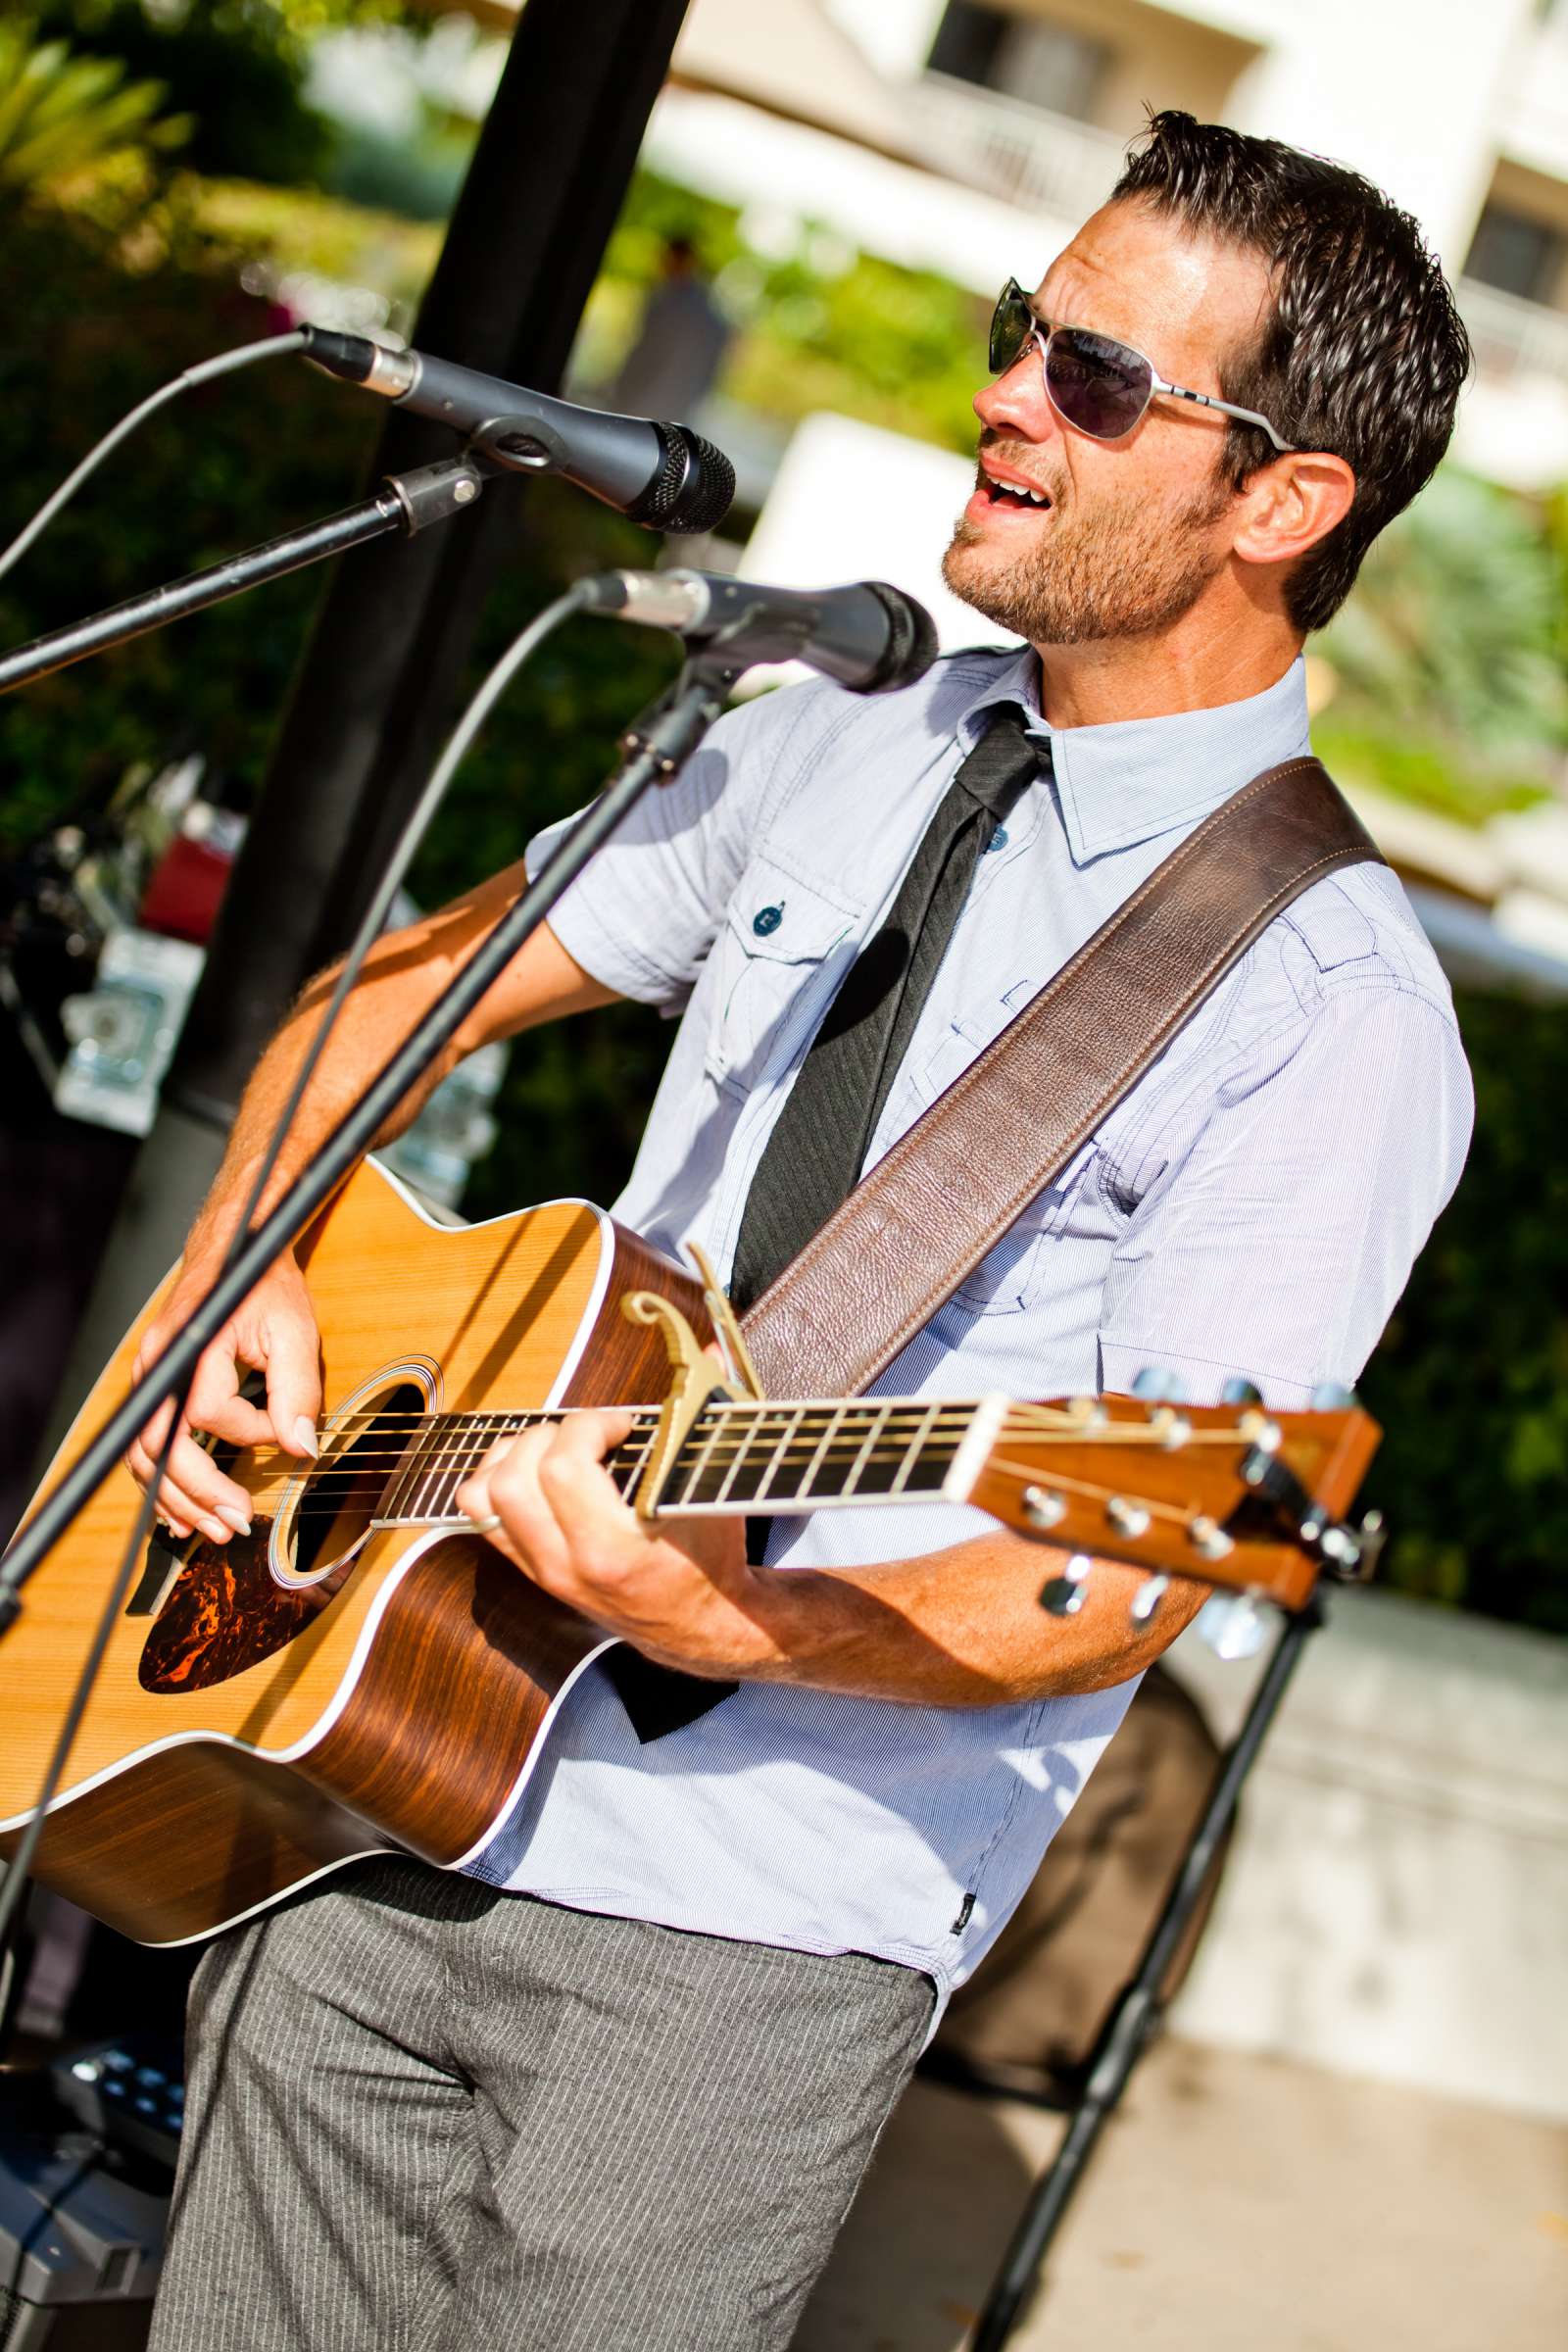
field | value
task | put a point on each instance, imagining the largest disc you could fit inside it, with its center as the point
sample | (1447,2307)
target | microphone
(871,638)
(663,475)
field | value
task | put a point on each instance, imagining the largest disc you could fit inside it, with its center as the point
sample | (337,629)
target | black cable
(478,710)
(203,373)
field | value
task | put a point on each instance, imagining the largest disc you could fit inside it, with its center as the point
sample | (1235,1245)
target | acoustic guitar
(364,1674)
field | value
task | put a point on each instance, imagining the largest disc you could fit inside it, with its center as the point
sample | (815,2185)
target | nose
(1016,402)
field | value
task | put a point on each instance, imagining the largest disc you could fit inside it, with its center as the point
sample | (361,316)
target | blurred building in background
(1026,107)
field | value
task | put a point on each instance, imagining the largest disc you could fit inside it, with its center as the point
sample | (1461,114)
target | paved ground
(1238,2204)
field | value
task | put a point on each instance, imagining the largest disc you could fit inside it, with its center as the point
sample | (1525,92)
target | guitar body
(247,1734)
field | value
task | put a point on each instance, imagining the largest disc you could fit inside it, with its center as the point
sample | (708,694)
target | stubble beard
(1124,573)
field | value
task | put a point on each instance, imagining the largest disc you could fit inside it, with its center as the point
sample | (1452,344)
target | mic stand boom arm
(657,747)
(406,502)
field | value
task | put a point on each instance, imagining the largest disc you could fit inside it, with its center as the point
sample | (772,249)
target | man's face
(1134,529)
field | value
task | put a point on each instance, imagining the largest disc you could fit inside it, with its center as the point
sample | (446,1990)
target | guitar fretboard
(737,1455)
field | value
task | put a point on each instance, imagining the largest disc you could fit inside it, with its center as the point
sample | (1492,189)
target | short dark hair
(1362,352)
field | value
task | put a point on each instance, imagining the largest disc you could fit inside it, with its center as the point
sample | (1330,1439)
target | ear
(1292,504)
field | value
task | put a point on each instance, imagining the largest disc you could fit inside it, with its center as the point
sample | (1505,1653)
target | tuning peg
(1331,1396)
(1232,1624)
(1241,1392)
(1063,1595)
(1043,1507)
(1147,1598)
(1157,1385)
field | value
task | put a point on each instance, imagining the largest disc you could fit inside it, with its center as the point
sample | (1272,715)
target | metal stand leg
(1136,2013)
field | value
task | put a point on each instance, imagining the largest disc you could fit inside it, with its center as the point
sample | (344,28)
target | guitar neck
(737,1456)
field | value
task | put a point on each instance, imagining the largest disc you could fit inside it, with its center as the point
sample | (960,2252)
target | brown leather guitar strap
(923,1219)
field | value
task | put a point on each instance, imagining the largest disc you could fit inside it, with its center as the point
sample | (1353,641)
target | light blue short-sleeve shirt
(1252,1208)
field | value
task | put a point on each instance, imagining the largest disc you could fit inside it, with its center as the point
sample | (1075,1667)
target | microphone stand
(657,747)
(408,502)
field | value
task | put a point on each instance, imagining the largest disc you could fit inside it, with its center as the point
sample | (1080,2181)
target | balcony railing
(1513,338)
(1039,161)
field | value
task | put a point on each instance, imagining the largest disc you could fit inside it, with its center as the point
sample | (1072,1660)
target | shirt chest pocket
(787,940)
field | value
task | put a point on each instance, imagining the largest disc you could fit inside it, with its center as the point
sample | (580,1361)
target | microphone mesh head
(692,488)
(912,644)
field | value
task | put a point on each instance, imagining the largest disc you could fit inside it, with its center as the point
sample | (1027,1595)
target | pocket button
(766,920)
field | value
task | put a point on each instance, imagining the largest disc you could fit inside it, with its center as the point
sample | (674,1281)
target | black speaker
(81,2237)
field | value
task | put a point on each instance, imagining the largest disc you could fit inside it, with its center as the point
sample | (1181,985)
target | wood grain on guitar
(362,1674)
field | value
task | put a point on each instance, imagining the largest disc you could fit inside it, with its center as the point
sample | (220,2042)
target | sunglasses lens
(1011,325)
(1099,386)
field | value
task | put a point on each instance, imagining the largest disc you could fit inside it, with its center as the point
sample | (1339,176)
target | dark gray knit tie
(814,1155)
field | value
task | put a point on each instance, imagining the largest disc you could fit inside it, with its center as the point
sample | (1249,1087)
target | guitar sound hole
(344,1493)
(227,1609)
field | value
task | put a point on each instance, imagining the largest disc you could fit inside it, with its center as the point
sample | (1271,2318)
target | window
(1045,65)
(1517,254)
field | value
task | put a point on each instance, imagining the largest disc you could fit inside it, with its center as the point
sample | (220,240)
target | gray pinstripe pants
(422,2112)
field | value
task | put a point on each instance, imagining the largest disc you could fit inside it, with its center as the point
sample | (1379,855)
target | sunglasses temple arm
(1226,408)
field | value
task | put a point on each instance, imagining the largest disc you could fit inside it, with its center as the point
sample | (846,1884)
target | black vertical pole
(1138,2011)
(377,688)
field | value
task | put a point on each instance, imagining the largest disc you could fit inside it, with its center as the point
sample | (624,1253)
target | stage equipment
(81,2236)
(407,503)
(871,637)
(361,1673)
(129,2092)
(660,474)
(1136,2013)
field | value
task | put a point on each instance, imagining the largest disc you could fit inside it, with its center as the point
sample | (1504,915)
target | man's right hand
(275,1333)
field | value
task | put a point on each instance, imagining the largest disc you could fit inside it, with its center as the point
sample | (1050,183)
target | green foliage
(61,114)
(236,67)
(1471,1381)
(1450,653)
(233,464)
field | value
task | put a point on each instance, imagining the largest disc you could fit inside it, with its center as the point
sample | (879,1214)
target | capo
(696,1380)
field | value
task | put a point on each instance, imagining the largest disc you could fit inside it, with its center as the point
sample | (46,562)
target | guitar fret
(851,1484)
(400,1499)
(629,1460)
(812,1482)
(915,1449)
(792,1430)
(695,1489)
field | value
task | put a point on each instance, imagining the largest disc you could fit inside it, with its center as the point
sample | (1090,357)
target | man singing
(614,2086)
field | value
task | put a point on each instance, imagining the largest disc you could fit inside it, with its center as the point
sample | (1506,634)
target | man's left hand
(683,1594)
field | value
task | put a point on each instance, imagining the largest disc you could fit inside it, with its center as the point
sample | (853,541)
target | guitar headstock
(1231,1496)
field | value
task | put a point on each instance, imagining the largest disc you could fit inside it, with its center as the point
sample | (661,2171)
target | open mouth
(1014,495)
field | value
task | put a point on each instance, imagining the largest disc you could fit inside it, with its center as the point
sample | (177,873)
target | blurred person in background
(615,2085)
(674,363)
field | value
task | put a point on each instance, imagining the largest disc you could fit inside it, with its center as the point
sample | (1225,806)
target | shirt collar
(1135,778)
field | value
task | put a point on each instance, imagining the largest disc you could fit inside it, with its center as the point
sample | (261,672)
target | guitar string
(801,1449)
(716,1471)
(1123,1436)
(1057,1415)
(460,1447)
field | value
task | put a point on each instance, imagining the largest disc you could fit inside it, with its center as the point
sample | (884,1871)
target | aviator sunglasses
(1101,386)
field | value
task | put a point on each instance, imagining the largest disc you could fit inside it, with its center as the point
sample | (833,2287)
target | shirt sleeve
(1274,1247)
(642,916)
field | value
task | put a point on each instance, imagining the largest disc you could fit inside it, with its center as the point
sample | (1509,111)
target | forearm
(958,1628)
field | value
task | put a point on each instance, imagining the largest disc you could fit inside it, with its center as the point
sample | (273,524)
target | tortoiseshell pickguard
(227,1612)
